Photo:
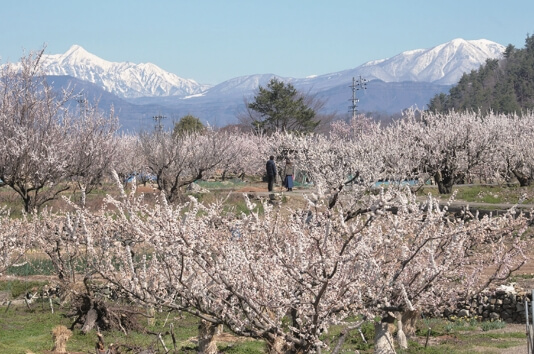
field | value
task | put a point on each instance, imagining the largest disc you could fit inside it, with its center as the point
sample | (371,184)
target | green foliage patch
(33,266)
(490,325)
(227,184)
(22,330)
(19,287)
(489,194)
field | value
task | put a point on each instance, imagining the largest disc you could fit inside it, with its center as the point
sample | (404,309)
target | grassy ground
(487,194)
(29,331)
(25,330)
(483,194)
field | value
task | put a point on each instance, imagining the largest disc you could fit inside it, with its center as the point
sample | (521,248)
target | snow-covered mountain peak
(456,42)
(75,55)
(77,50)
(444,63)
(124,79)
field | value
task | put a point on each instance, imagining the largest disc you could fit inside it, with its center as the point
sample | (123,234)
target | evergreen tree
(280,107)
(188,124)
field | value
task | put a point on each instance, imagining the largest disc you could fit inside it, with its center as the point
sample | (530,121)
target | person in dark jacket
(271,173)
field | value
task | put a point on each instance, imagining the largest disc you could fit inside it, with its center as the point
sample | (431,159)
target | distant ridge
(442,64)
(139,91)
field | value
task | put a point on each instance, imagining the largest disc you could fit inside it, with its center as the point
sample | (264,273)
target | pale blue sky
(211,41)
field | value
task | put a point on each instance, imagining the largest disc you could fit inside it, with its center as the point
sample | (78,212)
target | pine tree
(280,107)
(188,124)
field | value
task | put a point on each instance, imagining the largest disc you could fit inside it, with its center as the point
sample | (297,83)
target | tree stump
(277,345)
(409,321)
(401,337)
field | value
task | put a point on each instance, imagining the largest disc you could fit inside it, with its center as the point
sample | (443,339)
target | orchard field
(28,328)
(142,240)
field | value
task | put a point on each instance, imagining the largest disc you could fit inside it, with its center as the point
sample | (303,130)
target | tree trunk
(445,181)
(409,320)
(524,180)
(278,346)
(90,320)
(383,339)
(206,340)
(27,204)
(151,315)
(401,337)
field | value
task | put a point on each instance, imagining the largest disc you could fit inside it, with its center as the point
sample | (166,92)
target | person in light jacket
(289,172)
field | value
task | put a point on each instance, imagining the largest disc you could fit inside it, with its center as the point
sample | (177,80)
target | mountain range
(139,92)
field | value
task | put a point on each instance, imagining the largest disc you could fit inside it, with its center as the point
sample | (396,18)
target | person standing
(289,172)
(271,173)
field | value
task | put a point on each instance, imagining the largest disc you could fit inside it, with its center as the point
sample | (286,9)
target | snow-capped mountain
(125,79)
(442,64)
(243,85)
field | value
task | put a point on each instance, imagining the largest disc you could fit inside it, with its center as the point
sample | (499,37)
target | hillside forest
(504,86)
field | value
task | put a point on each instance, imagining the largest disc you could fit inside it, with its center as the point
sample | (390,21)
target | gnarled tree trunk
(409,320)
(90,320)
(524,180)
(278,345)
(206,337)
(445,181)
(383,338)
(401,337)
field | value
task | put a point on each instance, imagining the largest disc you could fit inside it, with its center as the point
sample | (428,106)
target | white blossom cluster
(16,238)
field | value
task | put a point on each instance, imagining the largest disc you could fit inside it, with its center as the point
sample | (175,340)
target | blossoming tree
(448,147)
(178,161)
(43,144)
(514,155)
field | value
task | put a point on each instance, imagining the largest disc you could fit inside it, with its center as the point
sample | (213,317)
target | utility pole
(359,84)
(82,102)
(158,120)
